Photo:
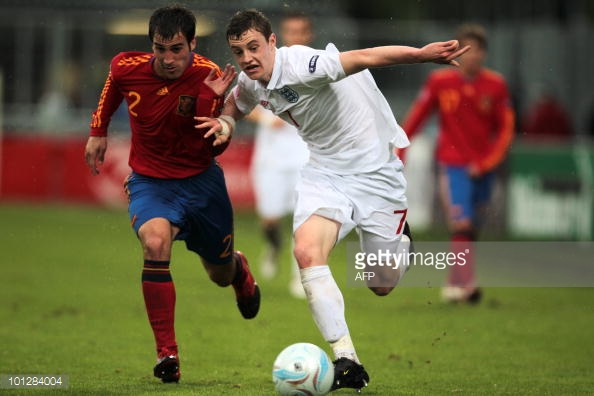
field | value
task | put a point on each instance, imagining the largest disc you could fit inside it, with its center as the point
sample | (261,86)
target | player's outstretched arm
(443,52)
(95,152)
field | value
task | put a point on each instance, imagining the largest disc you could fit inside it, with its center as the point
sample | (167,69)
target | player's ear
(272,40)
(193,44)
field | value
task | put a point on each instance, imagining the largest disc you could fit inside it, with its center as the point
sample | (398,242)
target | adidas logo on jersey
(163,91)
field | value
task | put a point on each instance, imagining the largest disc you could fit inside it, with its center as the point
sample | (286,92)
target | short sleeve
(245,94)
(312,67)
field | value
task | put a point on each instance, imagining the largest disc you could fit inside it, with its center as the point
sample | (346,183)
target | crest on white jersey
(289,94)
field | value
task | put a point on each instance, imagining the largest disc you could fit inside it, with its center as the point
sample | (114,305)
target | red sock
(159,299)
(463,247)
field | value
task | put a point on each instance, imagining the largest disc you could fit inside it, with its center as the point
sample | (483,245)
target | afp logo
(289,94)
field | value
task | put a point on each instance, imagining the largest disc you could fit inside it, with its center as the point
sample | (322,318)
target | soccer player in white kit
(352,178)
(279,155)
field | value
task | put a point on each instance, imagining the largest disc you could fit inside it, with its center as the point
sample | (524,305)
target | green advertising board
(550,191)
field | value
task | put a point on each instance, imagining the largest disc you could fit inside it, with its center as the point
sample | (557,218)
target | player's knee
(464,233)
(221,275)
(381,291)
(156,246)
(462,226)
(303,254)
(220,279)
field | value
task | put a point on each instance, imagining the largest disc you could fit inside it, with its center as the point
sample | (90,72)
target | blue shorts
(466,194)
(199,205)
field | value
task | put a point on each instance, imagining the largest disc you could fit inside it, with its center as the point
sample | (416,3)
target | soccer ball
(302,369)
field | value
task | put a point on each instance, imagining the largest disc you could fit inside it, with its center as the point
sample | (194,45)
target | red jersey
(476,120)
(164,142)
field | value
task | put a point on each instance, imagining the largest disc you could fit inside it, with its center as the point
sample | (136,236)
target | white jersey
(345,121)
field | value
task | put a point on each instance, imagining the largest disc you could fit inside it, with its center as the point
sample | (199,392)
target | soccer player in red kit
(176,189)
(476,126)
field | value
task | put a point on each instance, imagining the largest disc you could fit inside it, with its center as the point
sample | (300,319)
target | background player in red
(176,189)
(476,127)
(546,119)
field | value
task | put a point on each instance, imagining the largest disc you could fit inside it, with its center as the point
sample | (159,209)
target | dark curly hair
(170,20)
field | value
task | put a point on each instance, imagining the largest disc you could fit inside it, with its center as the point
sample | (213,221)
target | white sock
(344,348)
(327,307)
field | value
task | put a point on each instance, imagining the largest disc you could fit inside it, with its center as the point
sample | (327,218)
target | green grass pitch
(71,304)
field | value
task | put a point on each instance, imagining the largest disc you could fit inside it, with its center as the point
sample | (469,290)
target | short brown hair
(245,20)
(471,31)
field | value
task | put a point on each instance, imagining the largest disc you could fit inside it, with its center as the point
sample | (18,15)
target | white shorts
(375,203)
(274,190)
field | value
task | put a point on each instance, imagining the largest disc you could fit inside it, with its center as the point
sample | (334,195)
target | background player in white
(279,155)
(352,179)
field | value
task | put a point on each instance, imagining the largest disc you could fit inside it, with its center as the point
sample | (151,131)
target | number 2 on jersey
(136,96)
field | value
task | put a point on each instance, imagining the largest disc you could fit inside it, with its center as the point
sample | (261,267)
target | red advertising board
(44,169)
